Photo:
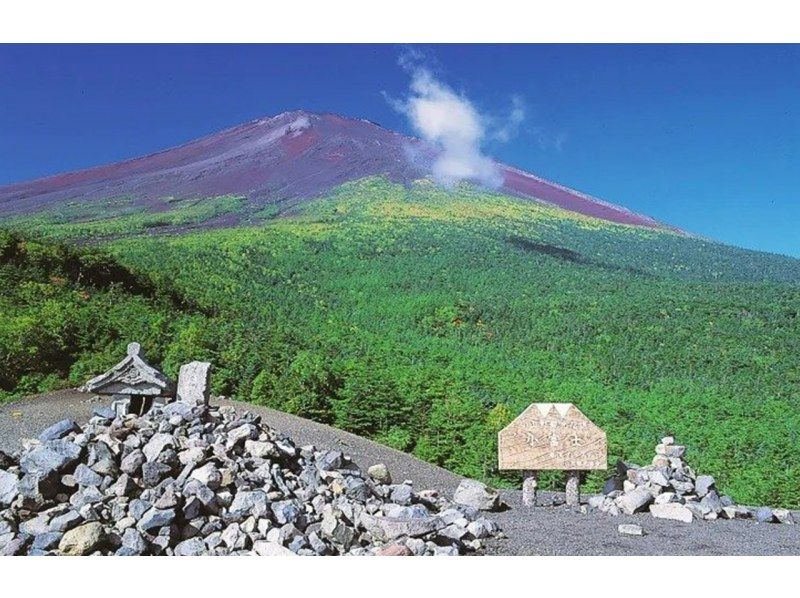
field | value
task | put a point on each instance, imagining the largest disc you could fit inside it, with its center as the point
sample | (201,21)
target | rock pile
(669,489)
(189,479)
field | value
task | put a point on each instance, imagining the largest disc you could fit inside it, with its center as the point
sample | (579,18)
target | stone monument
(552,436)
(193,383)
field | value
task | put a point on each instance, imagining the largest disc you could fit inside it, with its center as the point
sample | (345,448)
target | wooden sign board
(552,436)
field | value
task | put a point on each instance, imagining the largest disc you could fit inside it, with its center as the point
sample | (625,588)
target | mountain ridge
(291,157)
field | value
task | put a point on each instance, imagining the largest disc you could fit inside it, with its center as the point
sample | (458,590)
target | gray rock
(59,430)
(209,475)
(9,487)
(155,518)
(389,528)
(476,494)
(265,548)
(153,473)
(192,546)
(764,515)
(285,511)
(634,501)
(674,511)
(247,503)
(53,456)
(712,502)
(86,477)
(703,485)
(337,531)
(329,460)
(133,462)
(630,529)
(157,444)
(133,541)
(47,540)
(64,522)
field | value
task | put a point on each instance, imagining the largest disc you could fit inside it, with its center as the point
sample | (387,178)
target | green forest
(427,320)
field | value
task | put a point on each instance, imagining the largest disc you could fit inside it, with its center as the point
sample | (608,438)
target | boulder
(674,511)
(83,539)
(473,493)
(634,501)
(59,429)
(380,474)
(630,529)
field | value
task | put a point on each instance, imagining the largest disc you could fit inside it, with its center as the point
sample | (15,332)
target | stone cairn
(670,489)
(186,478)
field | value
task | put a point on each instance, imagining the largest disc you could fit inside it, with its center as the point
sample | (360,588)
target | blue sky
(704,137)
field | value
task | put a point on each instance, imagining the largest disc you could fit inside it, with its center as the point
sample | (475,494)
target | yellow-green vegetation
(428,320)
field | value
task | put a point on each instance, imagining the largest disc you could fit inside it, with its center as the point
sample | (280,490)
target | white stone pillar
(530,483)
(573,488)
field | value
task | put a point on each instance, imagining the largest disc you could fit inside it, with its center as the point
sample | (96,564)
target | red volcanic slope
(290,157)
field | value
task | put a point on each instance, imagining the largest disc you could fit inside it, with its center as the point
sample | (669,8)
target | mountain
(284,159)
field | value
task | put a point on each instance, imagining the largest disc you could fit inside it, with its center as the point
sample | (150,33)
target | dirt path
(540,531)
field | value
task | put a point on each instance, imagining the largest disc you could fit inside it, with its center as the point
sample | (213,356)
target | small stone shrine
(552,436)
(132,382)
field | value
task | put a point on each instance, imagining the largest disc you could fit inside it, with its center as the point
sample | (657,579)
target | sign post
(550,436)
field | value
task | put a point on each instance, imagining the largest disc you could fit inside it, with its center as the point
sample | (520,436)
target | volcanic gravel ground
(539,531)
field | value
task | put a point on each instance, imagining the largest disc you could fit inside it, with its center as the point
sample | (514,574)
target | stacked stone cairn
(669,489)
(188,479)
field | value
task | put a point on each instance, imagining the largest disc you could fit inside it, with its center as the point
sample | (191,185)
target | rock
(712,502)
(630,529)
(157,444)
(475,494)
(265,548)
(389,528)
(658,478)
(65,522)
(54,456)
(380,473)
(764,515)
(285,511)
(59,430)
(192,546)
(15,546)
(9,487)
(329,460)
(208,475)
(335,530)
(83,539)
(133,541)
(395,550)
(703,485)
(86,477)
(783,516)
(262,450)
(194,383)
(133,462)
(674,511)
(634,501)
(249,503)
(155,518)
(401,494)
(47,540)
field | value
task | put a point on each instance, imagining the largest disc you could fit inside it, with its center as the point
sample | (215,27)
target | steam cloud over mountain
(451,123)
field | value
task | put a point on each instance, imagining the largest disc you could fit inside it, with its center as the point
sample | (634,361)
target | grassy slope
(429,320)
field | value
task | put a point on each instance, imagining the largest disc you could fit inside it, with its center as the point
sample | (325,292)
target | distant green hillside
(428,320)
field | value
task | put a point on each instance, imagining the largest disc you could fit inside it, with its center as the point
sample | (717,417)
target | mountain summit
(287,158)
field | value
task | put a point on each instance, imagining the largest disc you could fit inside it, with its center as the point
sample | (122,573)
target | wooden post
(573,488)
(529,485)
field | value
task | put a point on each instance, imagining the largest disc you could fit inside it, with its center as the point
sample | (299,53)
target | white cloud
(451,123)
